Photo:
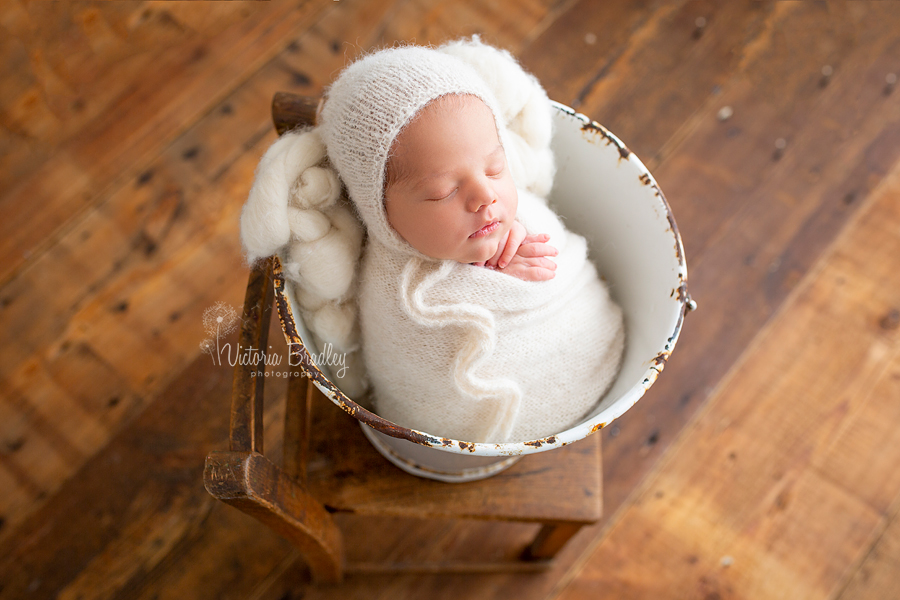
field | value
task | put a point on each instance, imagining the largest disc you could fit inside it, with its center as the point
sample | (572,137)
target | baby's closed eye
(435,197)
(496,167)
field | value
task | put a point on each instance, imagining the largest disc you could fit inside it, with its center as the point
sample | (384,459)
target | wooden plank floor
(762,463)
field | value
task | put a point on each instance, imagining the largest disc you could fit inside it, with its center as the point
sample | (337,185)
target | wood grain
(750,502)
(753,225)
(535,489)
(99,323)
(877,577)
(129,132)
(137,510)
(121,283)
(133,75)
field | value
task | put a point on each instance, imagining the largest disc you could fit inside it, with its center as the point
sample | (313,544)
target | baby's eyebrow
(394,174)
(418,182)
(498,149)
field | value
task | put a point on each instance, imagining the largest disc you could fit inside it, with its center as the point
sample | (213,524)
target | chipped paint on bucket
(603,192)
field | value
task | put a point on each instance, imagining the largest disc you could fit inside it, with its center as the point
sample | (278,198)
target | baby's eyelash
(495,169)
(444,197)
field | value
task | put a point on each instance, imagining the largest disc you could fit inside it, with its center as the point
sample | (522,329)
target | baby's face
(450,194)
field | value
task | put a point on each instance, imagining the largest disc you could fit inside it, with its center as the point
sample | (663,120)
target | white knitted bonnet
(367,107)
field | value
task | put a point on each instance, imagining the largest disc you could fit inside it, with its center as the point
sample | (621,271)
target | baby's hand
(508,247)
(530,262)
(525,256)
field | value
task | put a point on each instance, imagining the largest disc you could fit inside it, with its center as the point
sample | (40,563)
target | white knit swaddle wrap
(451,349)
(474,354)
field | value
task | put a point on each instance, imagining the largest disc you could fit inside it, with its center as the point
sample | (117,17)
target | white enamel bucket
(603,192)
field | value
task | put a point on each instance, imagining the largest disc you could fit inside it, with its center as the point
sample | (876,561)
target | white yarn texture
(474,354)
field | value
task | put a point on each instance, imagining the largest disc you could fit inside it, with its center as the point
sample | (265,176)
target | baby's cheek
(512,194)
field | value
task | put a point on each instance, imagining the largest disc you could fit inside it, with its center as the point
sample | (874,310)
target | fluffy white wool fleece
(474,354)
(292,210)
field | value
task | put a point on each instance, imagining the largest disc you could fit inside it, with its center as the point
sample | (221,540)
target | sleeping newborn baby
(477,315)
(450,195)
(473,326)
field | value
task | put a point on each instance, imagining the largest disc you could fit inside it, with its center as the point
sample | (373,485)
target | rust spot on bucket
(538,443)
(682,292)
(597,427)
(596,127)
(674,227)
(647,180)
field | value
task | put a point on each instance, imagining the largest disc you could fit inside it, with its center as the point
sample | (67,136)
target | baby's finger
(544,263)
(508,252)
(516,235)
(536,238)
(537,249)
(537,262)
(492,261)
(539,274)
(531,273)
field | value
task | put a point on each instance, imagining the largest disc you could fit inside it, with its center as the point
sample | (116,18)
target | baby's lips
(492,223)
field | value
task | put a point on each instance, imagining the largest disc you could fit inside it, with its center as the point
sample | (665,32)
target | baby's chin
(483,255)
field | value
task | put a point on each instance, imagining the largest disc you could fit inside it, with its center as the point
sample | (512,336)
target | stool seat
(346,473)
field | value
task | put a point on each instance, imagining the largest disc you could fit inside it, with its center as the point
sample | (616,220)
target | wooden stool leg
(550,540)
(296,425)
(249,482)
(246,479)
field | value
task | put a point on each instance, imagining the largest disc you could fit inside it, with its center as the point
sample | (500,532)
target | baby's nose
(484,196)
(476,205)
